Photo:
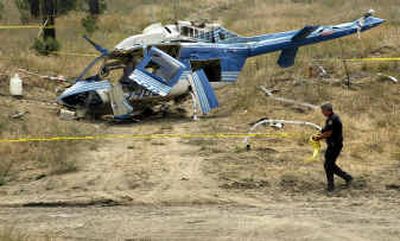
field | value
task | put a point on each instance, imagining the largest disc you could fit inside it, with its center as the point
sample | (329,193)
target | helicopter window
(185,31)
(172,50)
(162,68)
(188,31)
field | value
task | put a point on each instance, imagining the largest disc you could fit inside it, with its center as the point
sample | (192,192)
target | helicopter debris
(279,124)
(270,93)
(170,62)
(388,77)
(18,114)
(59,78)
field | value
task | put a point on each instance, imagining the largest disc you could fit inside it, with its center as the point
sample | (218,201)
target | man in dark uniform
(333,133)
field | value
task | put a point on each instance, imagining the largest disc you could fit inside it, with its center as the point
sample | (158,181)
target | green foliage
(1,8)
(23,8)
(84,6)
(103,6)
(45,47)
(89,23)
(64,7)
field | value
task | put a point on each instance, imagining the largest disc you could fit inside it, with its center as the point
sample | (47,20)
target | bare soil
(191,190)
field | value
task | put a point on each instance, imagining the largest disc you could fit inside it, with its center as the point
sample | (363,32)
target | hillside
(206,189)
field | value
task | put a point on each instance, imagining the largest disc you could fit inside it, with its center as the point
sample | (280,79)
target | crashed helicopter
(171,62)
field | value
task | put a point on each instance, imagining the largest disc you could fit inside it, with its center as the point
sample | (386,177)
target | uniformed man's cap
(327,106)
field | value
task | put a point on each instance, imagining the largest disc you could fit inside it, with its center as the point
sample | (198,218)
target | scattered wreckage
(276,124)
(271,93)
(172,62)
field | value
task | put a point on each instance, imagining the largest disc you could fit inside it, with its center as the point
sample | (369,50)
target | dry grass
(36,159)
(370,111)
(11,234)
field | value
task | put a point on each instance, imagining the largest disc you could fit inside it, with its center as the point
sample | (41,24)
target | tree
(64,6)
(96,7)
(35,8)
(49,10)
(1,8)
(23,8)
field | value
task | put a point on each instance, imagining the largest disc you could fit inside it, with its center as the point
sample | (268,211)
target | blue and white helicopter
(185,59)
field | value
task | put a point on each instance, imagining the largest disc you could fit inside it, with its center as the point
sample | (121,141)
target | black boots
(331,186)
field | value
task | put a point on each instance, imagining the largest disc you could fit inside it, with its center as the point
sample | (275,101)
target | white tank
(16,86)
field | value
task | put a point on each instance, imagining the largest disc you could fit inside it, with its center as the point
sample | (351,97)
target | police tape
(378,59)
(75,54)
(316,146)
(147,136)
(10,27)
(359,60)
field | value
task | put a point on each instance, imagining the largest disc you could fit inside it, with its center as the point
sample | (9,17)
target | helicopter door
(119,104)
(158,72)
(203,91)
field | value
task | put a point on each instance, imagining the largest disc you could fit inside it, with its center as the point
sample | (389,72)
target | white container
(16,86)
(67,114)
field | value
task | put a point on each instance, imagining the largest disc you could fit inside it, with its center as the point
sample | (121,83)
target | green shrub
(23,8)
(63,7)
(89,23)
(45,47)
(1,9)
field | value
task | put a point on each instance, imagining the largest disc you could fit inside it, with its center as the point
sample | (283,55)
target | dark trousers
(331,154)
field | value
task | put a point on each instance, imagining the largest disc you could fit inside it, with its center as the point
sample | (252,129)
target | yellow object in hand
(316,145)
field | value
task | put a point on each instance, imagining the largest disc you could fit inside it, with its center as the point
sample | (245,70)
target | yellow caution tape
(377,59)
(75,54)
(146,136)
(316,146)
(25,27)
(372,59)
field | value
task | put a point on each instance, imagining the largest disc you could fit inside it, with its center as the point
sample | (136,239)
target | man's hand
(323,135)
(316,137)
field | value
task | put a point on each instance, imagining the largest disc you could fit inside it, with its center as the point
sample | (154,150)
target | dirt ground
(326,220)
(188,190)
